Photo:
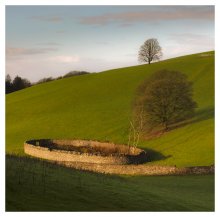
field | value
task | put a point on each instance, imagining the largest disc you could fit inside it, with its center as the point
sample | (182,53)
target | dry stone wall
(109,165)
(72,156)
(141,169)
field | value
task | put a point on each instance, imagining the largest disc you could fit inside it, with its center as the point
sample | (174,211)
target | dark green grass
(98,106)
(34,185)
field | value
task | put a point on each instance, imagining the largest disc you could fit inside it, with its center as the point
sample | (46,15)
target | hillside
(98,107)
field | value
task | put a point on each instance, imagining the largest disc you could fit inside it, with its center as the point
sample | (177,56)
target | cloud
(125,25)
(183,44)
(193,39)
(18,51)
(61,31)
(49,44)
(131,55)
(37,67)
(103,43)
(154,14)
(40,67)
(65,59)
(52,19)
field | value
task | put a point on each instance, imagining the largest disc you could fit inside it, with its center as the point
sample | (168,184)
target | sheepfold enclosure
(85,151)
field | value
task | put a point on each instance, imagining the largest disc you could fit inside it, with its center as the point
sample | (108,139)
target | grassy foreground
(98,107)
(34,185)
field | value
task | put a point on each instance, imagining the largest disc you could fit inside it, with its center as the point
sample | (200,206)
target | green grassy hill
(98,107)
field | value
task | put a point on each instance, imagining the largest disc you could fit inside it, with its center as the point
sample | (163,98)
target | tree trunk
(165,126)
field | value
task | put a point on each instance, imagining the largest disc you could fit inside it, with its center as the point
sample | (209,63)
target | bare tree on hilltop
(150,51)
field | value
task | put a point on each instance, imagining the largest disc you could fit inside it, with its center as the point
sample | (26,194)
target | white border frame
(4,3)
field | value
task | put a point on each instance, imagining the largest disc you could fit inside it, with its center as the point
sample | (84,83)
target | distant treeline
(19,83)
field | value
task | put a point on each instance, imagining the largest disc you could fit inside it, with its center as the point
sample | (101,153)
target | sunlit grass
(98,107)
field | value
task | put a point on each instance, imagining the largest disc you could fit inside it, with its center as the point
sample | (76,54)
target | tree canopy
(17,84)
(150,51)
(165,98)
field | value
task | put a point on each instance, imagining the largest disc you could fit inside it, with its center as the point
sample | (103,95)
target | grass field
(29,189)
(98,107)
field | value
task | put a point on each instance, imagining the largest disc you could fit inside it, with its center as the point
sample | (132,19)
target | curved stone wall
(109,164)
(140,169)
(34,148)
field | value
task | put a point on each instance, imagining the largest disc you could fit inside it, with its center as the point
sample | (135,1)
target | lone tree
(150,51)
(165,98)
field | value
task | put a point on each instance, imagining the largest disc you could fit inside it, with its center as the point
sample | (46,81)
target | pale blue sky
(44,41)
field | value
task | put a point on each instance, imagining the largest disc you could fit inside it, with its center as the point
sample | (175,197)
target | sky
(49,41)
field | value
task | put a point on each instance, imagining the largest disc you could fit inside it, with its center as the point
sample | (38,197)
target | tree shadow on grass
(153,155)
(200,115)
